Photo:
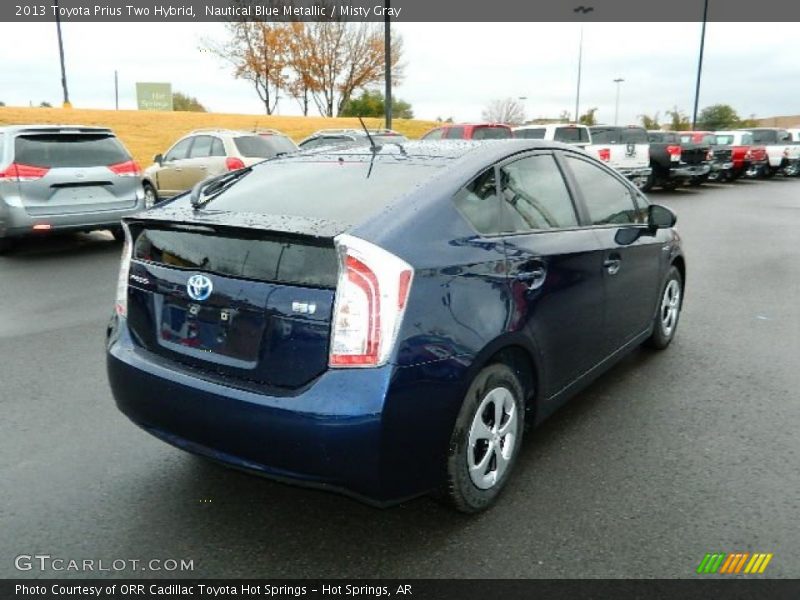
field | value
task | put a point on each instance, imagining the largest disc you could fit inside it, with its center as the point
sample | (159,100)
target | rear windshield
(663,137)
(534,133)
(766,137)
(263,259)
(491,133)
(606,135)
(347,191)
(280,144)
(254,146)
(728,139)
(54,150)
(634,135)
(571,135)
(327,140)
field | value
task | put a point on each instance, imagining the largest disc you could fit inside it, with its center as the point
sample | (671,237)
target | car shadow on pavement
(63,245)
(236,524)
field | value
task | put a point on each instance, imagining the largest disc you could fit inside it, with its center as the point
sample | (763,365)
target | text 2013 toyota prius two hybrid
(385,321)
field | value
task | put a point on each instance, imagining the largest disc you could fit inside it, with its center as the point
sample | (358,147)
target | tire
(646,184)
(476,471)
(697,181)
(150,195)
(668,312)
(670,185)
(768,172)
(6,244)
(118,233)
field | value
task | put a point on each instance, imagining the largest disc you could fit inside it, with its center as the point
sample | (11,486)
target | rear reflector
(18,172)
(126,169)
(371,297)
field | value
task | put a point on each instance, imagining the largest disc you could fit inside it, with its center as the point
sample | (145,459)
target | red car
(470,131)
(747,158)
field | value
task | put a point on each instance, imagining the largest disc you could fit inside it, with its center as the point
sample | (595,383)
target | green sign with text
(154,96)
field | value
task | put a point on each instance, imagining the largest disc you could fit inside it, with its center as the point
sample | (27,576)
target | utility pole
(700,66)
(578,91)
(618,80)
(61,56)
(116,90)
(387,57)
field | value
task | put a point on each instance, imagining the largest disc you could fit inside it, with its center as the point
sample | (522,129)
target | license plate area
(224,335)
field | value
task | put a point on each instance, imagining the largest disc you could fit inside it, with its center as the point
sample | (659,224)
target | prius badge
(199,287)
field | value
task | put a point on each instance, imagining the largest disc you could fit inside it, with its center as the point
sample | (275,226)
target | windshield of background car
(606,135)
(348,191)
(253,146)
(491,133)
(56,150)
(533,133)
(571,135)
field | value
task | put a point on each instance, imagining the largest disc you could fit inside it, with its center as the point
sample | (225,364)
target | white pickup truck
(783,152)
(626,149)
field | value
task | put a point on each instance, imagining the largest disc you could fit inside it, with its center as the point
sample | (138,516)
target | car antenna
(369,137)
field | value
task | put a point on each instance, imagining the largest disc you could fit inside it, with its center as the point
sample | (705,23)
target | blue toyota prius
(385,321)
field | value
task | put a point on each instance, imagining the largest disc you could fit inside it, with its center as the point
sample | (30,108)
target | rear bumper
(686,171)
(16,222)
(633,172)
(355,431)
(719,165)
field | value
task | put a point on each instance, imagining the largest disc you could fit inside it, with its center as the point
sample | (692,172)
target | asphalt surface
(668,456)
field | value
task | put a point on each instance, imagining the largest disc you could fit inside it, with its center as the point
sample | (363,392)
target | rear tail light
(748,155)
(233,163)
(604,154)
(18,172)
(126,169)
(121,306)
(710,155)
(371,297)
(674,153)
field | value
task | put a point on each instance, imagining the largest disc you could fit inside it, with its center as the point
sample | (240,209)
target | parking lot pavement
(667,457)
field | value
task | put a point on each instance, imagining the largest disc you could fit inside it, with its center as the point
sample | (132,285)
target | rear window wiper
(205,191)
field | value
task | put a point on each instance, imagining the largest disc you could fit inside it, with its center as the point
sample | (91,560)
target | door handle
(532,279)
(612,265)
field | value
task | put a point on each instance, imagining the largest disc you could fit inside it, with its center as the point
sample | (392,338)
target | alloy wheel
(492,438)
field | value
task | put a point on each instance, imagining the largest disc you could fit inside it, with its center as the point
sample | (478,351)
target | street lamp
(584,10)
(387,58)
(700,66)
(618,80)
(61,57)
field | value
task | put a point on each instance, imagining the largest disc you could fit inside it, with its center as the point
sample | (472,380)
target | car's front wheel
(486,439)
(669,310)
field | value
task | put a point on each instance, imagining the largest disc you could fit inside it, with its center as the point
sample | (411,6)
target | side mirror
(660,217)
(158,159)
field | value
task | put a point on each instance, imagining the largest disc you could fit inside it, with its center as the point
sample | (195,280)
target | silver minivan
(64,178)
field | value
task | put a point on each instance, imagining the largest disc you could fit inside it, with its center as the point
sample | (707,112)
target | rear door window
(608,200)
(478,202)
(54,150)
(217,148)
(535,195)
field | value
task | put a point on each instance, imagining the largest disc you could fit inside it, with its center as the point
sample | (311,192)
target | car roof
(53,128)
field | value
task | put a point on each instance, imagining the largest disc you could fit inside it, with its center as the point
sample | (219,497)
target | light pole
(387,57)
(700,66)
(584,10)
(61,57)
(618,80)
(522,100)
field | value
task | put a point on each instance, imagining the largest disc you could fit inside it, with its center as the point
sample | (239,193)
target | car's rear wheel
(669,310)
(768,173)
(150,195)
(486,439)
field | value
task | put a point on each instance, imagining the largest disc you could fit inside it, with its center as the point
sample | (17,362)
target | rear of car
(704,144)
(626,149)
(748,158)
(470,131)
(65,178)
(673,163)
(783,153)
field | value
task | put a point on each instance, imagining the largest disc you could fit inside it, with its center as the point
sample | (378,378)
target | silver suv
(64,177)
(208,152)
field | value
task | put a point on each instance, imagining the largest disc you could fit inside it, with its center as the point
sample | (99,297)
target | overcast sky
(452,69)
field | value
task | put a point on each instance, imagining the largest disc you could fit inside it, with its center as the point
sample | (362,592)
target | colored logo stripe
(734,563)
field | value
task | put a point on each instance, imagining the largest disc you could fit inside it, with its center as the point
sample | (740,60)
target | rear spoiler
(65,129)
(283,225)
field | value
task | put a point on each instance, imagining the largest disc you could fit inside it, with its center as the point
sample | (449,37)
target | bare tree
(505,110)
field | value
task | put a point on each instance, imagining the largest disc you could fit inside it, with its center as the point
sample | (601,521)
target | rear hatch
(69,171)
(245,305)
